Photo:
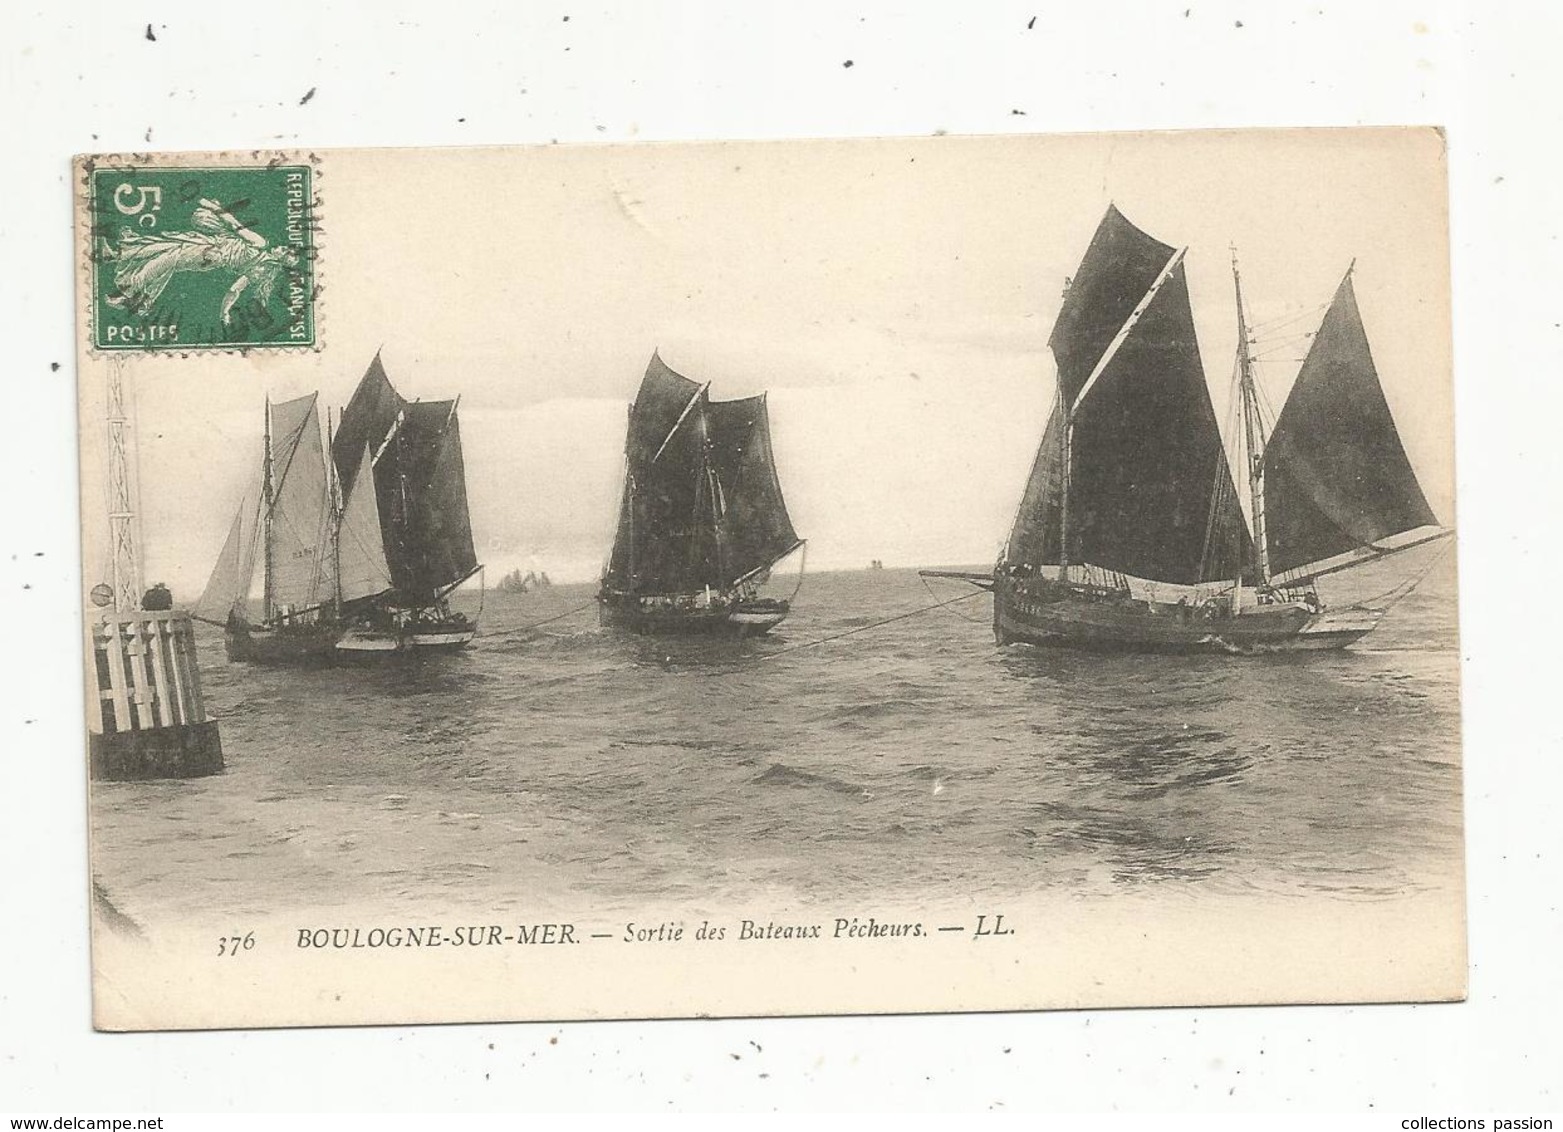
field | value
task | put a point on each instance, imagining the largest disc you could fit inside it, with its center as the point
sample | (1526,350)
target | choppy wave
(572,764)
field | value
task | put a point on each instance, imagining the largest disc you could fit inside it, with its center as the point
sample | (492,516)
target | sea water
(568,769)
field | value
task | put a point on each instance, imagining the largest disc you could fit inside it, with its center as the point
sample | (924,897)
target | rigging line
(1271,338)
(1301,574)
(538,624)
(1262,399)
(296,438)
(802,566)
(956,612)
(1395,593)
(1226,472)
(1287,320)
(801,544)
(870,625)
(1283,342)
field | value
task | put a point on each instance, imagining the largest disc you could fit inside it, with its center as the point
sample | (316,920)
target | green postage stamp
(188,257)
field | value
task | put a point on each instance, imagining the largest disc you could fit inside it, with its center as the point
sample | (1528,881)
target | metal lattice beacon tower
(147,718)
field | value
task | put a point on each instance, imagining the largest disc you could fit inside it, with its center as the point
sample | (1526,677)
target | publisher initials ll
(997,929)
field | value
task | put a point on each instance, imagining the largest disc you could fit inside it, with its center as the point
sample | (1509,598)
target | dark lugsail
(1336,474)
(754,529)
(1034,539)
(664,543)
(1148,463)
(420,482)
(702,505)
(419,487)
(367,420)
(1150,493)
(1118,269)
(620,571)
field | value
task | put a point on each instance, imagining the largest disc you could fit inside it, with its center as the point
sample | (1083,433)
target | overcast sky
(894,297)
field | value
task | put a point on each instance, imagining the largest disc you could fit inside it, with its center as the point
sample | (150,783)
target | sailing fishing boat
(361,551)
(291,530)
(406,530)
(702,520)
(517,583)
(1130,534)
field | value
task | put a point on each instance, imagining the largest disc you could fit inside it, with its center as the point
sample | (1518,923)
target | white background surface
(233,76)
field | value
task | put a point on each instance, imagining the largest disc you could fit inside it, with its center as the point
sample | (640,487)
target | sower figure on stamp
(144,265)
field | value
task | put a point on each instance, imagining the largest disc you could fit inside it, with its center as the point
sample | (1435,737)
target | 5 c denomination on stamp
(193,258)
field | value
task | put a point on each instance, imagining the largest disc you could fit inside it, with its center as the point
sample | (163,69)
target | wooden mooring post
(148,719)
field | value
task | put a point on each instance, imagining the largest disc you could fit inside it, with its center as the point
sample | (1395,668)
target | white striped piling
(147,718)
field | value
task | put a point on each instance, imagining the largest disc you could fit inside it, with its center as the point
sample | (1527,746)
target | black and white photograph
(699,557)
(814,577)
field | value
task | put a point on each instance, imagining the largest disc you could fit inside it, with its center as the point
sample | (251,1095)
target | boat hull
(364,643)
(306,644)
(442,640)
(671,617)
(325,642)
(1049,614)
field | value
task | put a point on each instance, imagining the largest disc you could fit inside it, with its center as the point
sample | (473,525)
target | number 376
(233,944)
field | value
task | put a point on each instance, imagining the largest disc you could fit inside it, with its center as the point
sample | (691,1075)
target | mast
(1253,433)
(401,482)
(1067,420)
(1064,436)
(629,487)
(268,499)
(334,494)
(713,492)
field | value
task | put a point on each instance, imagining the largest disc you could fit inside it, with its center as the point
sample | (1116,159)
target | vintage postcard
(812,577)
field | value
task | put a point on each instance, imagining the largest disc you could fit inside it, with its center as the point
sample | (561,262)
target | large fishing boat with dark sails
(1130,534)
(401,483)
(361,550)
(702,521)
